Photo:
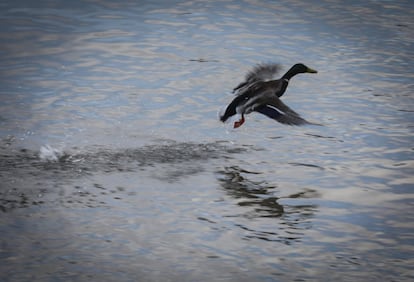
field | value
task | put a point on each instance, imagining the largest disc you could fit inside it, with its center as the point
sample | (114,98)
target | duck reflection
(260,202)
(249,193)
(256,194)
(260,195)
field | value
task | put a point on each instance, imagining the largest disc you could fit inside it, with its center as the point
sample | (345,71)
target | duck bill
(309,70)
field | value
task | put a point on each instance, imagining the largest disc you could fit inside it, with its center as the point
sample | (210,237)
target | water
(114,166)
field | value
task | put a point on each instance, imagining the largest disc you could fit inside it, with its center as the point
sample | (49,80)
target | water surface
(114,166)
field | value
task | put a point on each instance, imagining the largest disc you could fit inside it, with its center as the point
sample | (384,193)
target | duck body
(259,94)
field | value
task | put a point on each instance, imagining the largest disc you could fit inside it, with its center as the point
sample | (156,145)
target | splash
(50,154)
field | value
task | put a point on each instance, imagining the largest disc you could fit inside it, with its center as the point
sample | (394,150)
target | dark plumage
(261,94)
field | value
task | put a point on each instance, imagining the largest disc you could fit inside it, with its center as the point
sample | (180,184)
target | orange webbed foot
(239,123)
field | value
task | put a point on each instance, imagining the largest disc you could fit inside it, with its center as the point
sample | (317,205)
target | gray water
(114,166)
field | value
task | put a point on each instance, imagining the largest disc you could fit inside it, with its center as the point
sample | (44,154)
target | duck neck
(290,73)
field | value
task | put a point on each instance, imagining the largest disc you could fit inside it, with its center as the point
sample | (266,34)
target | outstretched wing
(279,111)
(262,72)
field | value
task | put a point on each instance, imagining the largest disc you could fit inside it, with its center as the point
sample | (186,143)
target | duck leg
(239,122)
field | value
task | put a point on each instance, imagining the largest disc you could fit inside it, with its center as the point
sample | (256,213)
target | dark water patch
(406,110)
(206,219)
(307,165)
(201,60)
(306,194)
(32,178)
(275,137)
(323,137)
(109,160)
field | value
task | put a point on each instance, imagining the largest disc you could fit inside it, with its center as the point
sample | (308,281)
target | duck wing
(279,111)
(231,108)
(262,72)
(247,99)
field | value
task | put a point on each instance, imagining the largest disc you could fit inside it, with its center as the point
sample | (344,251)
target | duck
(260,92)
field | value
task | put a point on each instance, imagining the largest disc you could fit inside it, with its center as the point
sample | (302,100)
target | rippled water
(114,166)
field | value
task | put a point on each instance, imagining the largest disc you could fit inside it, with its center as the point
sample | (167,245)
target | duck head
(296,69)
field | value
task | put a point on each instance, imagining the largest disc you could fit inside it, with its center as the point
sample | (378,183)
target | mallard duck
(261,94)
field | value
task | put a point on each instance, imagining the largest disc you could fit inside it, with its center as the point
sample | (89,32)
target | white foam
(50,154)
